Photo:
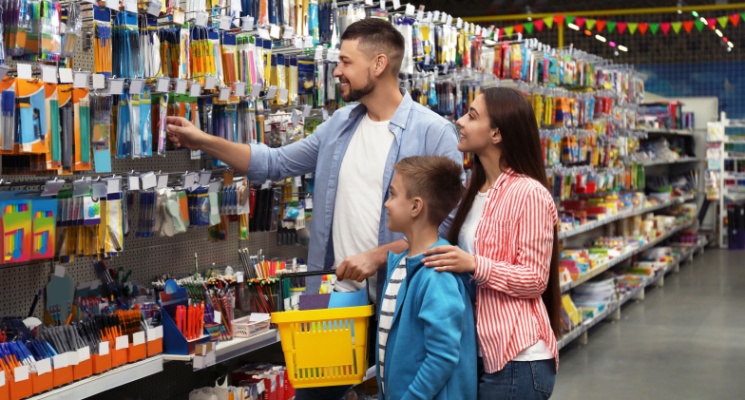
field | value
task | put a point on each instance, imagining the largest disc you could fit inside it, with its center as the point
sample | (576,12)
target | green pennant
(529,27)
(549,22)
(508,30)
(632,27)
(742,16)
(610,26)
(654,28)
(590,23)
(676,26)
(699,25)
(723,21)
(570,19)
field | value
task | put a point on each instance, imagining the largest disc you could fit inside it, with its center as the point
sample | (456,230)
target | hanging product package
(82,127)
(8,125)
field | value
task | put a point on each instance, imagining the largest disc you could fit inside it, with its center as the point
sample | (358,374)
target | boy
(426,345)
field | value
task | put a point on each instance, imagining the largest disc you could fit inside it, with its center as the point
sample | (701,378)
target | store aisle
(684,341)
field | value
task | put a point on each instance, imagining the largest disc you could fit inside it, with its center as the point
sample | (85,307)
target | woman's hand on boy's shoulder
(449,259)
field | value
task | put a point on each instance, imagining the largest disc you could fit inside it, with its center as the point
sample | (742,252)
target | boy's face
(399,207)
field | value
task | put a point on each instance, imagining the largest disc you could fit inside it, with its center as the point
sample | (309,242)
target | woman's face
(474,129)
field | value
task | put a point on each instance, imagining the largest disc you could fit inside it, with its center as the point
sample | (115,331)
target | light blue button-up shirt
(417,131)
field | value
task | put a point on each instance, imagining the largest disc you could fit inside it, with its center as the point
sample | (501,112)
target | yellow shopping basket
(324,347)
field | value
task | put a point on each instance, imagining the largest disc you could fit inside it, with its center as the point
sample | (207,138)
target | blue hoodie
(431,348)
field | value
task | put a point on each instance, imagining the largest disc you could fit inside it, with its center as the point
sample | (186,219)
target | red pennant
(665,27)
(559,19)
(538,24)
(712,23)
(734,19)
(688,25)
(600,25)
(621,27)
(643,26)
(579,22)
(519,28)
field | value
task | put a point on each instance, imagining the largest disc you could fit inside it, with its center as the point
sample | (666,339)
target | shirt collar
(400,117)
(506,174)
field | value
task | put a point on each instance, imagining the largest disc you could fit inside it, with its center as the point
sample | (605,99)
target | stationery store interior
(240,199)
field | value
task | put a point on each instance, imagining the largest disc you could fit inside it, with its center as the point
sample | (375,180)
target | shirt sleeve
(528,276)
(295,159)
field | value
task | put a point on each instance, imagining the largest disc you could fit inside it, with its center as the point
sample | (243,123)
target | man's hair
(436,179)
(378,36)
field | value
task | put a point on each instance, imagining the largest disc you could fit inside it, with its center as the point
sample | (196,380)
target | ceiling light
(719,33)
(612,44)
(704,21)
(730,44)
(695,14)
(600,38)
(572,26)
(622,48)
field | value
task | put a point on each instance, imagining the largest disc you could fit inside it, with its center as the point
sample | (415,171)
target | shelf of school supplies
(622,215)
(681,160)
(106,381)
(612,263)
(664,131)
(237,347)
(612,307)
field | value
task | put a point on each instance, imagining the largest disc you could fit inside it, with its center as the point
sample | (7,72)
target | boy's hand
(183,133)
(449,259)
(358,268)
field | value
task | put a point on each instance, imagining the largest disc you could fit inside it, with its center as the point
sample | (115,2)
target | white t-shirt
(359,197)
(466,239)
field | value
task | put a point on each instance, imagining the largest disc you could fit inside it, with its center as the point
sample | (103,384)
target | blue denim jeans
(518,380)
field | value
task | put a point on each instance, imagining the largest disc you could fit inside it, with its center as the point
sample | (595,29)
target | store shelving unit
(681,160)
(237,347)
(670,132)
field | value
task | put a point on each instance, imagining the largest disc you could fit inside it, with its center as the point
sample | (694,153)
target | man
(352,156)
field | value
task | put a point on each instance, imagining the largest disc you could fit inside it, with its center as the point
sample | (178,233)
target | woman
(506,231)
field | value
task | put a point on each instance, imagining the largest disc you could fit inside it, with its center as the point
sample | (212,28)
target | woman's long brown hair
(512,114)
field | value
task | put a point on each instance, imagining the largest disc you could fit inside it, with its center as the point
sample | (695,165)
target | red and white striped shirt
(513,245)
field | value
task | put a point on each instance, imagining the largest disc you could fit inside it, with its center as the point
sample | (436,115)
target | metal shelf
(681,160)
(237,347)
(664,131)
(106,381)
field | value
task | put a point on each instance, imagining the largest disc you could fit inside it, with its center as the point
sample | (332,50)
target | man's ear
(381,63)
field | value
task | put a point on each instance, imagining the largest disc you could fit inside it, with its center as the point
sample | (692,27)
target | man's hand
(359,267)
(183,133)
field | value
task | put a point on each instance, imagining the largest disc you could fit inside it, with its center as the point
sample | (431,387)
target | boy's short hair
(436,179)
(379,36)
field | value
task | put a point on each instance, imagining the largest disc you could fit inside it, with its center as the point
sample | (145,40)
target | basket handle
(305,275)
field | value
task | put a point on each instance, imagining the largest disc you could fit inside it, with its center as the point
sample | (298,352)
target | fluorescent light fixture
(612,44)
(622,47)
(695,14)
(572,26)
(704,21)
(730,44)
(719,33)
(600,38)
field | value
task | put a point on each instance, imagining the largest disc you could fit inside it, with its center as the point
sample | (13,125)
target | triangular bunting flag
(519,28)
(600,25)
(742,15)
(590,23)
(579,21)
(611,25)
(621,27)
(688,25)
(723,21)
(549,22)
(632,27)
(508,30)
(559,19)
(654,28)
(643,26)
(676,26)
(734,19)
(538,24)
(665,27)
(570,19)
(699,25)
(712,23)
(529,27)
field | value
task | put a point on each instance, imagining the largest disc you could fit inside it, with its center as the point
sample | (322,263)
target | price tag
(65,75)
(51,188)
(84,354)
(44,366)
(201,19)
(195,90)
(299,181)
(190,180)
(436,16)
(264,34)
(426,60)
(239,89)
(116,86)
(154,8)
(3,71)
(319,53)
(247,24)
(204,178)
(288,32)
(325,114)
(218,317)
(209,82)
(103,349)
(99,81)
(59,271)
(382,4)
(60,361)
(410,10)
(396,4)
(306,111)
(180,86)
(308,42)
(163,85)
(295,117)
(369,2)
(113,185)
(256,90)
(138,338)
(162,181)
(178,17)
(215,187)
(224,94)
(236,6)
(226,22)
(447,19)
(133,182)
(136,86)
(25,71)
(458,23)
(445,69)
(48,74)
(21,373)
(112,4)
(72,358)
(2,379)
(420,15)
(283,93)
(149,181)
(130,6)
(272,92)
(99,190)
(122,342)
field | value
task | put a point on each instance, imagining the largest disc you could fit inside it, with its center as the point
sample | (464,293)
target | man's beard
(357,94)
